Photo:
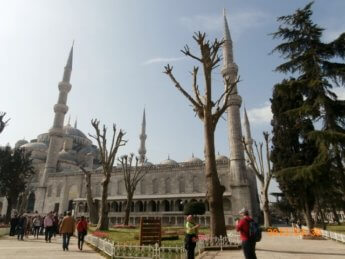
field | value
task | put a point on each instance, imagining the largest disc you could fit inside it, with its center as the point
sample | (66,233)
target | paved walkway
(31,248)
(286,247)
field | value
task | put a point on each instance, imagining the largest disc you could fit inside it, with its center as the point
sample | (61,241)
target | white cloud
(238,22)
(340,92)
(262,115)
(330,35)
(162,60)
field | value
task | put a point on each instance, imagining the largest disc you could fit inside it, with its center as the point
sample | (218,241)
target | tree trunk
(214,189)
(103,222)
(93,215)
(265,205)
(128,209)
(10,205)
(307,216)
(336,218)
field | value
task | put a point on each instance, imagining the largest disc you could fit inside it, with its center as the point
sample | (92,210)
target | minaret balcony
(65,87)
(61,108)
(235,100)
(230,70)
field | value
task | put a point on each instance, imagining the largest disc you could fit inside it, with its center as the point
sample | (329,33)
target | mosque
(59,184)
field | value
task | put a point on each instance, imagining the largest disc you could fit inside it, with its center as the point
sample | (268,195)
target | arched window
(49,191)
(58,190)
(154,186)
(195,184)
(142,187)
(167,185)
(181,185)
(120,187)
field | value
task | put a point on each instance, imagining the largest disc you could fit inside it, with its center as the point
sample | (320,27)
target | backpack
(254,231)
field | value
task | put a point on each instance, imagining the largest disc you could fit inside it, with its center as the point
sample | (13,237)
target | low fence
(115,250)
(4,231)
(332,235)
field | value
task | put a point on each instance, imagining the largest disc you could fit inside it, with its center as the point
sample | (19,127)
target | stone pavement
(286,247)
(31,248)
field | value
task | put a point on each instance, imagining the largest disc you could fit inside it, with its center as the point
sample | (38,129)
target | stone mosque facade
(59,184)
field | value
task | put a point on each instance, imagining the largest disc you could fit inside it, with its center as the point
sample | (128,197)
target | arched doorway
(31,202)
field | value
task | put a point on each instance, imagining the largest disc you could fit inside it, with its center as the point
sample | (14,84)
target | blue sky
(120,50)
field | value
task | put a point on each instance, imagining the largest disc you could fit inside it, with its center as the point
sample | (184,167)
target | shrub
(194,208)
(124,226)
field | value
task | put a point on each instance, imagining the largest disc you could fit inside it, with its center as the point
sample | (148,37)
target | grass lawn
(131,236)
(336,228)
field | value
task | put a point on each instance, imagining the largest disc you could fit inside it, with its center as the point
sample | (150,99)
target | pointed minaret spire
(76,122)
(68,67)
(142,149)
(227,49)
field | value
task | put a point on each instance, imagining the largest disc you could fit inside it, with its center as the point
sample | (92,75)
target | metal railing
(118,250)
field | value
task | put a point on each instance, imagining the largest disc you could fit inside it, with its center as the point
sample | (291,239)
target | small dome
(193,160)
(35,146)
(221,158)
(20,143)
(147,163)
(169,162)
(67,155)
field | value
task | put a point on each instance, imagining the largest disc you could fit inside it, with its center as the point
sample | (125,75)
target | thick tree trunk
(214,189)
(93,214)
(307,216)
(128,209)
(103,222)
(10,205)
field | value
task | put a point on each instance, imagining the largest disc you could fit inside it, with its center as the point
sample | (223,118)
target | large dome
(71,131)
(169,162)
(194,160)
(222,158)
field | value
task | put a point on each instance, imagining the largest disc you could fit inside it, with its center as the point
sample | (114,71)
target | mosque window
(142,187)
(58,190)
(167,185)
(49,191)
(195,184)
(154,186)
(181,185)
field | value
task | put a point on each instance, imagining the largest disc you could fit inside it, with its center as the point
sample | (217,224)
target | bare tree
(3,123)
(92,207)
(263,172)
(107,161)
(209,112)
(132,176)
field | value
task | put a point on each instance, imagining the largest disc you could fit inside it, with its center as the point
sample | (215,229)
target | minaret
(142,149)
(238,176)
(247,136)
(56,132)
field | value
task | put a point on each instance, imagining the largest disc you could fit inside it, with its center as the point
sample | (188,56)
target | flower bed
(124,226)
(100,234)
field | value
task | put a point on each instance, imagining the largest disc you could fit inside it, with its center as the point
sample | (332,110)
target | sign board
(150,231)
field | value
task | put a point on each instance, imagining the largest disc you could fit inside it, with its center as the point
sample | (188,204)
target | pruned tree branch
(3,123)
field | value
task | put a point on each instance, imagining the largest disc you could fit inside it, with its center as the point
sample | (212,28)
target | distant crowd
(49,225)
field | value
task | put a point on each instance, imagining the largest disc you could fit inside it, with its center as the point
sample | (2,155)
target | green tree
(15,172)
(194,208)
(312,63)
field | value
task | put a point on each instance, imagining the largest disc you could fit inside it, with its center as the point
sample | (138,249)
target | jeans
(65,240)
(81,236)
(190,245)
(48,234)
(20,233)
(36,231)
(249,249)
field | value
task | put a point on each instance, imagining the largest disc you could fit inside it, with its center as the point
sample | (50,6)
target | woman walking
(191,236)
(82,231)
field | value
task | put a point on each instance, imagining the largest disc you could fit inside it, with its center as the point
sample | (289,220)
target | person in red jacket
(82,231)
(242,226)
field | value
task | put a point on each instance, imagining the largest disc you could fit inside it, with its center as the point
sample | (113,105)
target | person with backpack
(250,233)
(82,231)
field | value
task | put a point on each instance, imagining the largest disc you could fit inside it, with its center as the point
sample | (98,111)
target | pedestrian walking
(21,227)
(37,223)
(48,225)
(14,222)
(191,236)
(82,231)
(243,226)
(67,229)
